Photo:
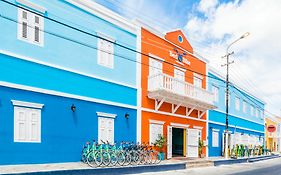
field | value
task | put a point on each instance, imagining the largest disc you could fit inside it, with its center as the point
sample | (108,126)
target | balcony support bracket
(159,103)
(202,113)
(188,112)
(174,109)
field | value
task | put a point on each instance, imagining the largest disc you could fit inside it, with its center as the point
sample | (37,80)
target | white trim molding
(238,127)
(156,122)
(198,76)
(106,36)
(155,56)
(198,127)
(27,104)
(62,94)
(138,85)
(179,68)
(179,125)
(32,5)
(171,114)
(215,130)
(104,13)
(103,114)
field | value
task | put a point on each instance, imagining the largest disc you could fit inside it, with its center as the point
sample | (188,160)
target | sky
(211,25)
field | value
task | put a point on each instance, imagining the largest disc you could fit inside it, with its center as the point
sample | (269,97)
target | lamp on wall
(73,108)
(127,116)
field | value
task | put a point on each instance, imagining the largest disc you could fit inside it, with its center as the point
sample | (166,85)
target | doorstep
(194,162)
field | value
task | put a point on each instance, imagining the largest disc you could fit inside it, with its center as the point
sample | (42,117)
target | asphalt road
(266,167)
(272,170)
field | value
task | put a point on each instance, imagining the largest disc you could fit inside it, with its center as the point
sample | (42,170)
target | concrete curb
(244,160)
(111,171)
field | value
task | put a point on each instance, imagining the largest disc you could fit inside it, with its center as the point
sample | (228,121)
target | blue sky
(176,11)
(210,25)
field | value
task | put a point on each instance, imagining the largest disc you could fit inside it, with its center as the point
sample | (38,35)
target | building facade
(174,99)
(246,117)
(272,134)
(61,87)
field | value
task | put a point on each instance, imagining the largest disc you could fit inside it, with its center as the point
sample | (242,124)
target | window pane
(24,30)
(24,14)
(22,131)
(34,131)
(36,19)
(36,34)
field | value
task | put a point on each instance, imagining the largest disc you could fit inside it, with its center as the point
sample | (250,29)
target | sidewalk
(81,168)
(8,169)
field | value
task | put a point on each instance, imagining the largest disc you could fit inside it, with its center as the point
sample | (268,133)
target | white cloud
(258,57)
(206,6)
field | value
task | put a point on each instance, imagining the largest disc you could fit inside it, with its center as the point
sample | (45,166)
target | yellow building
(271,135)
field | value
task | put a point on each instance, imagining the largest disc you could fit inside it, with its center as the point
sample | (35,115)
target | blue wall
(237,118)
(217,151)
(63,132)
(258,104)
(23,72)
(68,54)
(235,121)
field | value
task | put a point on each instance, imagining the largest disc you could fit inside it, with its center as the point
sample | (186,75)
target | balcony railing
(175,86)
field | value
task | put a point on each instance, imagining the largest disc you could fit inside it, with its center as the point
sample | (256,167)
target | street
(272,166)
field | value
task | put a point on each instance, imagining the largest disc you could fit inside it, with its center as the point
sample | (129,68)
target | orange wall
(152,44)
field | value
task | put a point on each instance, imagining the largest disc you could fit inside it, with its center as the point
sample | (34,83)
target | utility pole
(227,103)
(227,93)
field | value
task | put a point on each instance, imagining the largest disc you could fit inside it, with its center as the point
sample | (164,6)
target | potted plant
(160,142)
(200,148)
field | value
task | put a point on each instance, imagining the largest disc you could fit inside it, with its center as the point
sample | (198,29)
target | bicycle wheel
(98,158)
(90,159)
(113,158)
(128,158)
(84,157)
(105,158)
(121,158)
(135,157)
(144,157)
(155,158)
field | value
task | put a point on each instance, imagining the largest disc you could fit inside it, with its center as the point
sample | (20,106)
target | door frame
(180,126)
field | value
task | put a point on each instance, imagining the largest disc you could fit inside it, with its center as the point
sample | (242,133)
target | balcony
(165,88)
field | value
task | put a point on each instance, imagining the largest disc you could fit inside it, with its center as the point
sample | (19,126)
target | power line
(93,47)
(100,37)
(130,49)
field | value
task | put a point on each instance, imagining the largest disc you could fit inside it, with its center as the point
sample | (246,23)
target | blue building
(61,87)
(246,117)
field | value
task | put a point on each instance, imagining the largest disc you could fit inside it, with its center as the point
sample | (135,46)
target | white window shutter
(110,137)
(110,50)
(105,129)
(20,129)
(101,129)
(34,124)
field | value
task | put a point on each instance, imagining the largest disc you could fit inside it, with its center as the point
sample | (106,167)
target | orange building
(174,99)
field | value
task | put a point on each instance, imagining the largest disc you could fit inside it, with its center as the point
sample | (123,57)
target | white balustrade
(173,85)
